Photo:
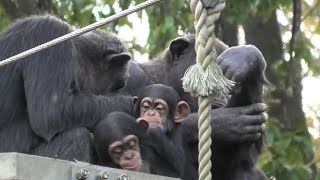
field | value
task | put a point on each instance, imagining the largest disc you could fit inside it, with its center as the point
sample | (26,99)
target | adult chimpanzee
(235,160)
(160,106)
(121,142)
(58,89)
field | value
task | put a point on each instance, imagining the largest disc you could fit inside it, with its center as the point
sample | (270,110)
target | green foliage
(165,20)
(5,21)
(76,12)
(239,11)
(289,153)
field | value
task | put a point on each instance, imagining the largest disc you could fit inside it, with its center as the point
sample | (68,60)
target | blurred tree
(20,8)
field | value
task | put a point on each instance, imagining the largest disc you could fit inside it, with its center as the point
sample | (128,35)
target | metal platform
(15,166)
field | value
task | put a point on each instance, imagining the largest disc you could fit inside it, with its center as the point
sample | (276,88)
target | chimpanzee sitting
(45,97)
(235,160)
(160,106)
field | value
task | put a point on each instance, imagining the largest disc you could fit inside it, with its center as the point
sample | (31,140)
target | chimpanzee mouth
(132,166)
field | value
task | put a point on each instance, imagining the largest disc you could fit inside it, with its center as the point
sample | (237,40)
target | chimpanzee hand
(230,125)
(166,149)
(238,124)
(241,63)
(157,136)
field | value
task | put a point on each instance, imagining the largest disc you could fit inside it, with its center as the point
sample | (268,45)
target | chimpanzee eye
(117,150)
(145,106)
(159,107)
(131,143)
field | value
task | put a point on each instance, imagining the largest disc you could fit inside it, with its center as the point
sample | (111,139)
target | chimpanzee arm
(53,107)
(220,46)
(71,145)
(170,151)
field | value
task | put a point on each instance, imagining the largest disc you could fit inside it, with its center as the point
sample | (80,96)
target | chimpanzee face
(103,62)
(159,106)
(155,111)
(126,153)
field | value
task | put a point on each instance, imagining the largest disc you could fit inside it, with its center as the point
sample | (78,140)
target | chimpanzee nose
(128,155)
(151,112)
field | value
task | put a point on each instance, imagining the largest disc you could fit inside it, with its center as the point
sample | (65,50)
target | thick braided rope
(205,79)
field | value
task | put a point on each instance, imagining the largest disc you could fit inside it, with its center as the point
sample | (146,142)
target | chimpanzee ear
(91,138)
(177,46)
(143,123)
(134,100)
(182,111)
(118,59)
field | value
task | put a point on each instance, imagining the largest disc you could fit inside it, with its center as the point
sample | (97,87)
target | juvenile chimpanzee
(160,106)
(119,142)
(45,95)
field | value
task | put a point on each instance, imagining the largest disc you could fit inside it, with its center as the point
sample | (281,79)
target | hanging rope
(205,79)
(78,32)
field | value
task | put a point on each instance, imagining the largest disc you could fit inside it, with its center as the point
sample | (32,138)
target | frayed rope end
(194,81)
(210,82)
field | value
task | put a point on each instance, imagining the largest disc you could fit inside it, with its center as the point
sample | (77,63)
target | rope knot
(205,78)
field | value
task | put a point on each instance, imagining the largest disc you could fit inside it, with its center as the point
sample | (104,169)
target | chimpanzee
(250,79)
(62,88)
(160,106)
(119,142)
(235,160)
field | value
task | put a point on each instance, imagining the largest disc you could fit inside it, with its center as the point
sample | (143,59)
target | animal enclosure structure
(15,166)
